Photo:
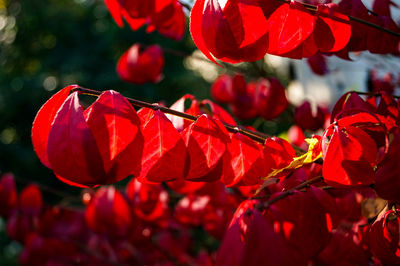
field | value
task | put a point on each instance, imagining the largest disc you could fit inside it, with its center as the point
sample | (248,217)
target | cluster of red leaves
(165,16)
(135,227)
(141,64)
(109,141)
(357,144)
(237,31)
(144,225)
(265,98)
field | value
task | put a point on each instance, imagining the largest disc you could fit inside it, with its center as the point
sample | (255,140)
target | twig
(313,8)
(266,204)
(256,136)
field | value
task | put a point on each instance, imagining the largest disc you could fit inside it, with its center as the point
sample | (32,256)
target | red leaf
(243,163)
(332,30)
(116,128)
(43,122)
(270,98)
(169,21)
(234,32)
(307,119)
(278,153)
(302,220)
(222,89)
(30,201)
(206,143)
(150,201)
(141,66)
(8,195)
(219,113)
(72,148)
(289,26)
(164,153)
(383,238)
(251,240)
(109,213)
(349,156)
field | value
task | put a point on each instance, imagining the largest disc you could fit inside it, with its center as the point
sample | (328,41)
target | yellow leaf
(314,153)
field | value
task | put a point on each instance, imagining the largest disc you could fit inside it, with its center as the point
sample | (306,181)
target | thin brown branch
(256,136)
(266,204)
(313,8)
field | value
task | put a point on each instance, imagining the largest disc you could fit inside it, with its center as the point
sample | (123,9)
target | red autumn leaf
(387,181)
(169,21)
(307,118)
(342,249)
(233,32)
(288,27)
(350,100)
(381,42)
(243,105)
(137,8)
(270,98)
(164,153)
(109,213)
(145,114)
(359,32)
(149,201)
(30,201)
(296,137)
(303,221)
(349,156)
(166,16)
(243,164)
(43,120)
(219,113)
(8,195)
(318,64)
(222,89)
(81,156)
(251,240)
(185,187)
(278,153)
(115,127)
(332,29)
(72,149)
(141,65)
(206,144)
(383,238)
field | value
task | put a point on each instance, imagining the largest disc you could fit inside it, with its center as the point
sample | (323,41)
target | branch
(313,8)
(256,136)
(266,204)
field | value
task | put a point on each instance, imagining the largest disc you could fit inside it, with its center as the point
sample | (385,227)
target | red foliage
(165,16)
(88,148)
(140,65)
